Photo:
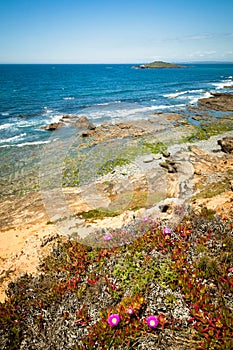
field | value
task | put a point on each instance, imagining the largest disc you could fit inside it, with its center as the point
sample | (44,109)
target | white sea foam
(108,103)
(14,138)
(176,94)
(68,98)
(55,118)
(26,123)
(32,143)
(103,104)
(4,114)
(180,94)
(195,99)
(5,126)
(192,96)
(223,83)
(207,95)
(26,144)
(47,110)
(154,108)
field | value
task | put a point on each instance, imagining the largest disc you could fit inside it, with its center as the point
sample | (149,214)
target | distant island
(158,64)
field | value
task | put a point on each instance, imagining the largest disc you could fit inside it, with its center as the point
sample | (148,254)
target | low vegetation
(206,131)
(180,276)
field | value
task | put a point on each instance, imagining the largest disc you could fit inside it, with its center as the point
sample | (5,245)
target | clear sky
(115,31)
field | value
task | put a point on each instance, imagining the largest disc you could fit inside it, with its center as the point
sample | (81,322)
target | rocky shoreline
(136,175)
(218,101)
(131,191)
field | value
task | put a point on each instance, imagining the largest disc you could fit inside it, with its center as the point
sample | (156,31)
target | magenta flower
(113,320)
(167,230)
(130,311)
(108,238)
(152,321)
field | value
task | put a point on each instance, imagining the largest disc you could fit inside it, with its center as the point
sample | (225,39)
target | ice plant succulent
(130,311)
(108,238)
(113,320)
(152,321)
(167,230)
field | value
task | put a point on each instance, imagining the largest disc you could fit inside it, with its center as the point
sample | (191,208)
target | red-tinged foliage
(198,253)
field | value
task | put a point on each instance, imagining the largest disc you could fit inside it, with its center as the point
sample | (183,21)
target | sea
(35,95)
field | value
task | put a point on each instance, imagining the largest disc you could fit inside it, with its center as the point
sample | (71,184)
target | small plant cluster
(110,165)
(157,147)
(128,297)
(127,320)
(206,131)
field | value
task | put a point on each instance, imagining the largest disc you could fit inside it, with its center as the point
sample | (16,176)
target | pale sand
(21,250)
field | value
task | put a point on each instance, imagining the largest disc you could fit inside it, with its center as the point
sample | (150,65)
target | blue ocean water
(32,96)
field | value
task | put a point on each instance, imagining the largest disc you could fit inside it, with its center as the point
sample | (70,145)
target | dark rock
(231,184)
(170,166)
(164,208)
(86,133)
(226,144)
(54,126)
(68,117)
(84,123)
(218,102)
(197,117)
(166,154)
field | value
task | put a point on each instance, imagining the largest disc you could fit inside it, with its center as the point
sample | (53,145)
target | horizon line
(113,63)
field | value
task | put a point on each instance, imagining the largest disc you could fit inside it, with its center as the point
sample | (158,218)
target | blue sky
(101,31)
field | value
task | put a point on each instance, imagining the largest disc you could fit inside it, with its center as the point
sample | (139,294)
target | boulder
(170,165)
(166,154)
(148,159)
(226,144)
(84,123)
(54,126)
(68,117)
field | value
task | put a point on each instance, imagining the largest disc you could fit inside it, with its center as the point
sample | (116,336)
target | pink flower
(108,238)
(130,311)
(167,230)
(152,321)
(113,320)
